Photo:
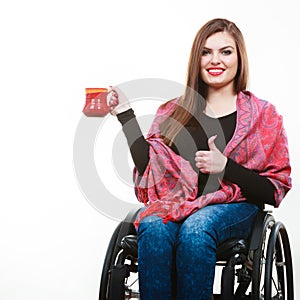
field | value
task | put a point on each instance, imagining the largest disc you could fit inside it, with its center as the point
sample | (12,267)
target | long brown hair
(193,99)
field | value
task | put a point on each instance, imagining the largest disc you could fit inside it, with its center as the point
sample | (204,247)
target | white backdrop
(52,240)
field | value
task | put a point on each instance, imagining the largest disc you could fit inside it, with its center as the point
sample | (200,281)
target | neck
(220,102)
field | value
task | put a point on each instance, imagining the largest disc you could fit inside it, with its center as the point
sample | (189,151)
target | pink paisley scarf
(168,187)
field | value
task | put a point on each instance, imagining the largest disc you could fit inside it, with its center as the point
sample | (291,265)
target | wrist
(120,109)
(224,163)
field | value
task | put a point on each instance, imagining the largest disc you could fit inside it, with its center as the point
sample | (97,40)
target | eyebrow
(220,48)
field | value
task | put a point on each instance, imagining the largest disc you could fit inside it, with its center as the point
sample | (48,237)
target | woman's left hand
(212,161)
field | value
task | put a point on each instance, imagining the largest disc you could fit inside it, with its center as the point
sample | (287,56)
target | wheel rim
(279,275)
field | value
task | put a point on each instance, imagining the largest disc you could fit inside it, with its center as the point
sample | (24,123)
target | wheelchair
(257,268)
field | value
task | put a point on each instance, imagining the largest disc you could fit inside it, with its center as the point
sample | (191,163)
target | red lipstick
(215,71)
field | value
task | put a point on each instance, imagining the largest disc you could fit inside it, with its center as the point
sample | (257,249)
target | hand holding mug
(118,101)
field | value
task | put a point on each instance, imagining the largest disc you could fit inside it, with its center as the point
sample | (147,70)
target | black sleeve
(139,147)
(255,188)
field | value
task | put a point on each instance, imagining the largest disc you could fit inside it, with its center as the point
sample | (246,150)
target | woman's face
(219,61)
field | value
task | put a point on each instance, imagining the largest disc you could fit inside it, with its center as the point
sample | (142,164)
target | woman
(212,158)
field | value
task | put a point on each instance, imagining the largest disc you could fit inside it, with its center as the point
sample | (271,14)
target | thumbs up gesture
(212,161)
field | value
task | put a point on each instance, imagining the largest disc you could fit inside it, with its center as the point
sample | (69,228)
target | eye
(226,52)
(205,52)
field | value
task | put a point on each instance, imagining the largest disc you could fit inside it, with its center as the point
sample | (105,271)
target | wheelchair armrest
(131,216)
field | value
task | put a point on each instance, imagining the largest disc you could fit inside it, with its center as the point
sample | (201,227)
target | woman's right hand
(118,101)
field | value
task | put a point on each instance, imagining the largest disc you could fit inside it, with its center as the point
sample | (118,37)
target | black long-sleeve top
(255,188)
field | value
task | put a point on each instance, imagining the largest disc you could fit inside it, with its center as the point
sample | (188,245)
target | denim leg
(198,239)
(156,258)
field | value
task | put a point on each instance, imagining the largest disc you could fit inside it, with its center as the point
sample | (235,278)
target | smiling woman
(219,61)
(205,169)
(219,65)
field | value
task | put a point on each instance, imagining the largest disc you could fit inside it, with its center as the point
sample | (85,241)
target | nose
(215,59)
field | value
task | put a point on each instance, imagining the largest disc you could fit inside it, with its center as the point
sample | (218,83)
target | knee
(199,232)
(153,228)
(156,240)
(196,245)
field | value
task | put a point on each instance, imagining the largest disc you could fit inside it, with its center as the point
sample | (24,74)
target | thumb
(211,143)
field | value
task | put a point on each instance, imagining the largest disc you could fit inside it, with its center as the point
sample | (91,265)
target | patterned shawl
(169,185)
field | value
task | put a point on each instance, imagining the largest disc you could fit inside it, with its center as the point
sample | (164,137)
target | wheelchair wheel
(259,259)
(272,276)
(111,253)
(119,279)
(279,270)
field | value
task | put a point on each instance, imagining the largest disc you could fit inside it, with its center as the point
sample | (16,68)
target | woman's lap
(187,250)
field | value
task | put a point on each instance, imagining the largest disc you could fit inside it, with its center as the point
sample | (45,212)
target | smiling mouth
(215,72)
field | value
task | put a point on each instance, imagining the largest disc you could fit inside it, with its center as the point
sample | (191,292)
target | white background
(52,241)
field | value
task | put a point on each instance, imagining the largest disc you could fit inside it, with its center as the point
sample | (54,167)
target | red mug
(96,102)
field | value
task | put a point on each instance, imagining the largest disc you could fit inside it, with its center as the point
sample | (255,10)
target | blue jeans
(177,259)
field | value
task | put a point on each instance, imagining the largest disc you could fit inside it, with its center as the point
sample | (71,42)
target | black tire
(259,259)
(279,270)
(111,253)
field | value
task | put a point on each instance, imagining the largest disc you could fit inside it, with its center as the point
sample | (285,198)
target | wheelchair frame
(257,268)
